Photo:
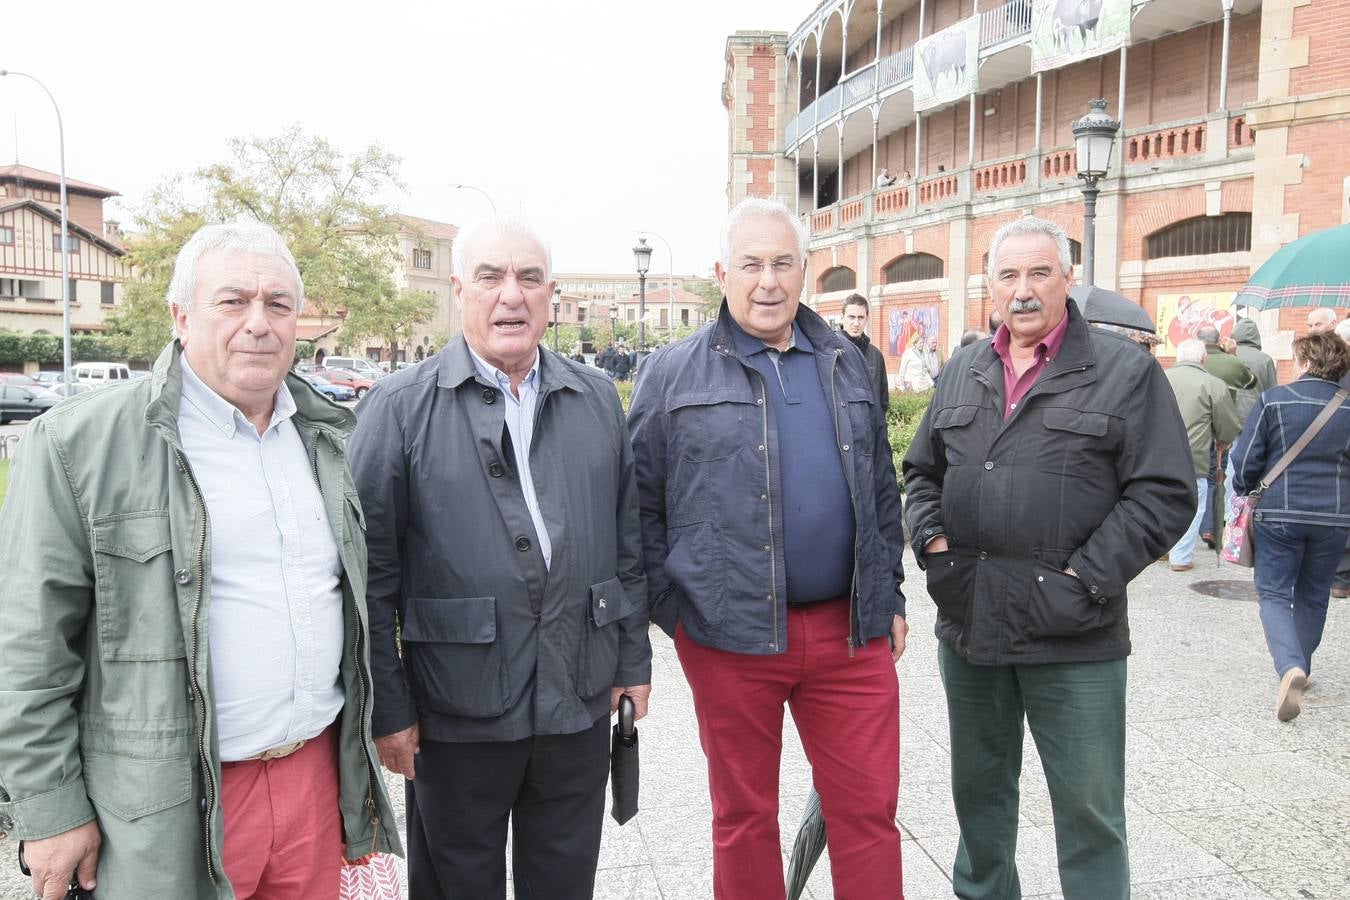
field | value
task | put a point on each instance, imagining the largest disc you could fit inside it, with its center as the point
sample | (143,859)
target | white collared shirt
(274,623)
(520,424)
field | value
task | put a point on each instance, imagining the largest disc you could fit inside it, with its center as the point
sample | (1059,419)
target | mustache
(1031,304)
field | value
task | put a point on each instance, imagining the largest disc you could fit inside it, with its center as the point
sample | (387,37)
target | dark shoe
(1208,538)
(1289,702)
(1183,567)
(1340,593)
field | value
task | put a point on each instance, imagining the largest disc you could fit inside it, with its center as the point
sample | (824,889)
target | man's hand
(639,694)
(53,859)
(936,545)
(396,750)
(899,631)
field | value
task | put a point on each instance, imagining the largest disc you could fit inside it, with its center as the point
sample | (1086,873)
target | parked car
(18,378)
(357,364)
(21,401)
(327,388)
(101,373)
(49,378)
(358,383)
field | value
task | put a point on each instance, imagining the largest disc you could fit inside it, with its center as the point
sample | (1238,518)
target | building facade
(1235,117)
(30,258)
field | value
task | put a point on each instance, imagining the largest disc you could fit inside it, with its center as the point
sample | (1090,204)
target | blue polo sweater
(818,525)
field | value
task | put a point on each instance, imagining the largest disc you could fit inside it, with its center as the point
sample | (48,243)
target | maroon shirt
(1014,388)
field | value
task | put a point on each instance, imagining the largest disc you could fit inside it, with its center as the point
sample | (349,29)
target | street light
(470,187)
(557,299)
(613,324)
(642,258)
(1095,136)
(65,227)
(670,282)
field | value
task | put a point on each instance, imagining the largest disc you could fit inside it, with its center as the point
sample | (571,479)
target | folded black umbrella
(623,763)
(1109,308)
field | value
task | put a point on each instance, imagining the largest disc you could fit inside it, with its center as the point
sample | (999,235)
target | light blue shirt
(274,620)
(520,412)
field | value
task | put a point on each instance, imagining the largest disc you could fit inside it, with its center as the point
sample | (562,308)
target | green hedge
(17,349)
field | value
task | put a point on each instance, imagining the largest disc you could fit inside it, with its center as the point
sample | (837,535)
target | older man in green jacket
(183,635)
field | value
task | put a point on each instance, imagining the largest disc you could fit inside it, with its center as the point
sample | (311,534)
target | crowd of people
(228,602)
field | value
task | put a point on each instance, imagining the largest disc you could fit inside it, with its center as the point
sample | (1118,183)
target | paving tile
(1254,836)
(1327,879)
(1159,852)
(1276,777)
(1174,784)
(1213,887)
(627,883)
(1203,737)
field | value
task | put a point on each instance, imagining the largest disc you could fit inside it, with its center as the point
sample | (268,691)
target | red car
(345,378)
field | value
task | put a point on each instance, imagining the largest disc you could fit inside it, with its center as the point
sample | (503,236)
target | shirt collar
(500,378)
(223,414)
(748,345)
(1046,349)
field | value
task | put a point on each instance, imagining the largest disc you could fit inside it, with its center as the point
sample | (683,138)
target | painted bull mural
(945,54)
(1075,17)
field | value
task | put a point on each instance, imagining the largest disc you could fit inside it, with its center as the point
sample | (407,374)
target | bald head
(1321,320)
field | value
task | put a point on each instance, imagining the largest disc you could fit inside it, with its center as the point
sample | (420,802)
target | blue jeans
(1295,564)
(1184,550)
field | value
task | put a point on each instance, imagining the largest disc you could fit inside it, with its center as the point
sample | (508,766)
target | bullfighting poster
(1180,316)
(1066,31)
(910,324)
(947,65)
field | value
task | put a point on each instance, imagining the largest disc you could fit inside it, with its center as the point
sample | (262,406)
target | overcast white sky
(595,118)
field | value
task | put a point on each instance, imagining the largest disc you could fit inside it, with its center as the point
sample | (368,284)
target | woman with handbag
(1294,454)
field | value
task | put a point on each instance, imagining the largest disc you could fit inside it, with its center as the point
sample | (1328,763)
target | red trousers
(283,827)
(847,711)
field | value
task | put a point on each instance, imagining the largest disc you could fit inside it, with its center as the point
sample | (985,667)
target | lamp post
(1095,136)
(486,196)
(64,248)
(557,299)
(642,258)
(670,281)
(613,324)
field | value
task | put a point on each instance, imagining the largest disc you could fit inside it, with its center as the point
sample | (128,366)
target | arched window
(840,278)
(1228,233)
(913,267)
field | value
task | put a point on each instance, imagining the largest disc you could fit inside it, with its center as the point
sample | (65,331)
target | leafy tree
(707,289)
(392,321)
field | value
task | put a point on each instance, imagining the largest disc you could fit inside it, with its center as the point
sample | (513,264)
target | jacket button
(182,576)
(761,446)
(522,544)
(928,531)
(846,446)
(1092,590)
(988,465)
(496,470)
(983,555)
(489,396)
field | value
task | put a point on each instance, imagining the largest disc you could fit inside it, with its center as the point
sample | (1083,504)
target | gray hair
(495,224)
(1191,350)
(227,237)
(1343,330)
(1028,225)
(762,207)
(1207,334)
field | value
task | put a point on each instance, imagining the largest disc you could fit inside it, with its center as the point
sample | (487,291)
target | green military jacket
(106,709)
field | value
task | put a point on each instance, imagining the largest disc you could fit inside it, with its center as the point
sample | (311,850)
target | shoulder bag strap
(1303,441)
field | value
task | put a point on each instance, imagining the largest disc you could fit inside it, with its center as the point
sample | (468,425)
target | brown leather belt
(280,751)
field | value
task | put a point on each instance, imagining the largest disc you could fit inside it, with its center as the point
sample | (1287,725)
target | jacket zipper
(853,578)
(199,697)
(768,494)
(360,678)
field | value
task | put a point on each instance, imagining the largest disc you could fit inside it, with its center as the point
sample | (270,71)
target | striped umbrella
(1312,271)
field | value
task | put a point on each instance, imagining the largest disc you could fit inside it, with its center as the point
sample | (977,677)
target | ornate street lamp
(1095,137)
(614,324)
(557,299)
(642,258)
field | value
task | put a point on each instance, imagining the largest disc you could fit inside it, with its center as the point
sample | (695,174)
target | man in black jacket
(1051,467)
(855,329)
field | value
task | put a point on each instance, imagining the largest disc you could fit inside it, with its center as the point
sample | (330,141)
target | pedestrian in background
(854,328)
(1303,519)
(772,539)
(1211,419)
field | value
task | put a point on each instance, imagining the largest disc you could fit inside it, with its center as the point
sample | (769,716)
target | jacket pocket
(952,424)
(1059,605)
(137,605)
(860,424)
(599,657)
(696,562)
(131,787)
(714,425)
(950,583)
(453,661)
(1072,441)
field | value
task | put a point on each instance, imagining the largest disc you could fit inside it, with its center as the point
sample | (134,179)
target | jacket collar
(1074,353)
(166,393)
(821,336)
(456,367)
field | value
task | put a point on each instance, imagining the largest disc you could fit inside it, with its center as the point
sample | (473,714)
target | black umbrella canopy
(1109,308)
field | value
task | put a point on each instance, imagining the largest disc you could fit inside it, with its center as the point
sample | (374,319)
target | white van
(100,373)
(358,364)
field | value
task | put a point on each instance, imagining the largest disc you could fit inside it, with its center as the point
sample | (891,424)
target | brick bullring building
(1235,139)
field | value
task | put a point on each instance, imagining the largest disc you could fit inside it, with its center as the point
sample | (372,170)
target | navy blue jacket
(706,450)
(1315,489)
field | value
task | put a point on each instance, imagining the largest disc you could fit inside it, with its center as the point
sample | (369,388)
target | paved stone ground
(1224,802)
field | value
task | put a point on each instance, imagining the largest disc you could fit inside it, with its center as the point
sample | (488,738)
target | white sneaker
(1289,703)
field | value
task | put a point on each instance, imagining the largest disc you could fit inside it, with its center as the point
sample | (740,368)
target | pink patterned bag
(372,877)
(1239,535)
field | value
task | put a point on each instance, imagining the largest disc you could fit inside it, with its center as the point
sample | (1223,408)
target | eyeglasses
(756,266)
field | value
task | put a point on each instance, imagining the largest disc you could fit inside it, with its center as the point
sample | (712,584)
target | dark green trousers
(1077,716)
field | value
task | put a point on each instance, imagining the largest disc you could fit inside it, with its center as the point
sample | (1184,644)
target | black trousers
(550,787)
